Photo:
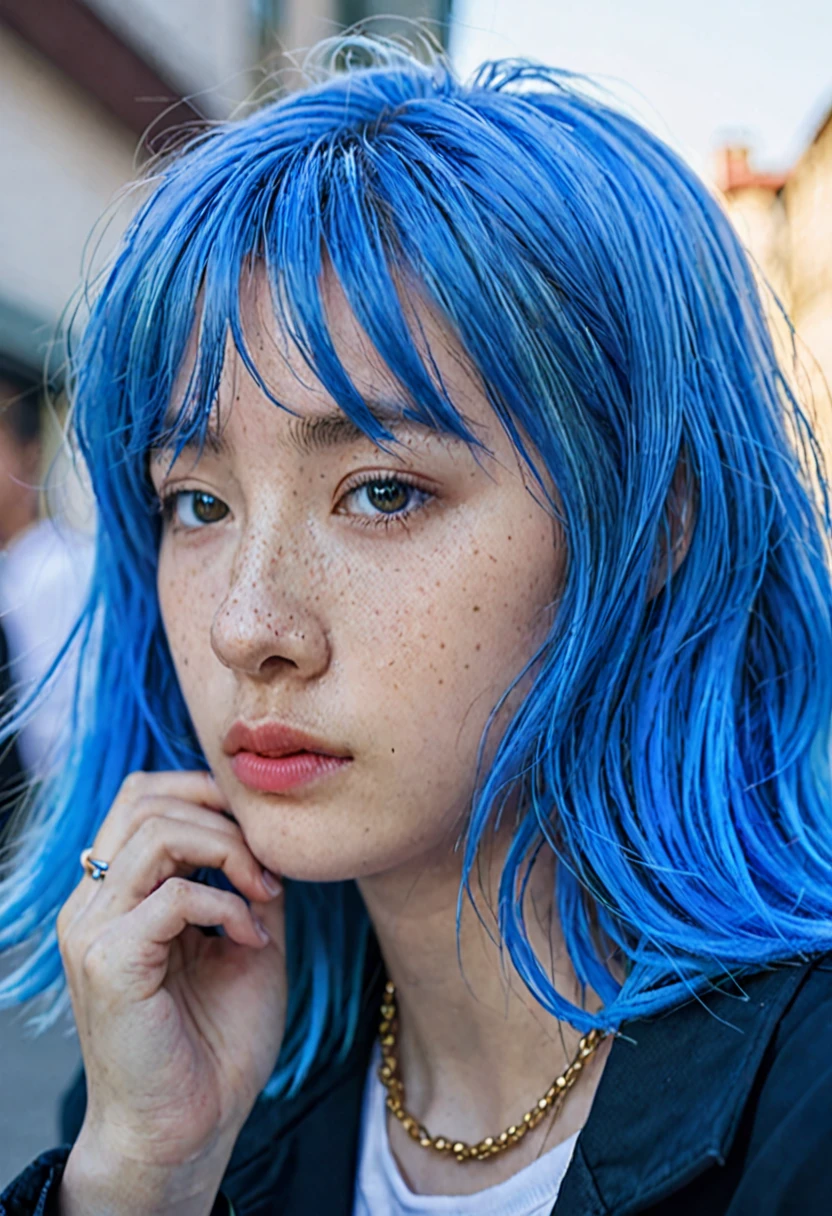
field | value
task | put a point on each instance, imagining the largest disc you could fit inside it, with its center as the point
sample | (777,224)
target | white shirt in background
(44,577)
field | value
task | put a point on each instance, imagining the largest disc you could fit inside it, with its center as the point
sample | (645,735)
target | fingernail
(261,928)
(272,884)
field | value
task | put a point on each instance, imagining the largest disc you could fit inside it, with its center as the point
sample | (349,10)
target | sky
(757,72)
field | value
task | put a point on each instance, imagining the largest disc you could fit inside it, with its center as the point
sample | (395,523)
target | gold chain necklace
(389,1074)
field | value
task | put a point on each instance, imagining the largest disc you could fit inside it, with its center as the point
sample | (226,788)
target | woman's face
(381,603)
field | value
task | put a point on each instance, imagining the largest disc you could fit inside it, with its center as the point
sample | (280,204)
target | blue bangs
(673,749)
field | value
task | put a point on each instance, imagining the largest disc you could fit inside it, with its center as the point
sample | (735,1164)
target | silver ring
(94,867)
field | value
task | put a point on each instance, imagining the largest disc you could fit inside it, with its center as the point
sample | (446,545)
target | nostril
(275,660)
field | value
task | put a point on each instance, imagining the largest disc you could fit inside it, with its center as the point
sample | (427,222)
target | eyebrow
(324,432)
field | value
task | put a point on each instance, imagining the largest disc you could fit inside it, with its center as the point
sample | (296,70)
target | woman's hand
(179,1031)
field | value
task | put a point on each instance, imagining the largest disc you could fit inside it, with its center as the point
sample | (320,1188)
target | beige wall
(808,203)
(760,220)
(206,48)
(305,24)
(64,160)
(790,236)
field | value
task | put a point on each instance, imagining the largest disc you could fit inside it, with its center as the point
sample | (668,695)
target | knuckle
(136,813)
(177,890)
(146,808)
(66,943)
(133,785)
(96,962)
(66,927)
(151,829)
(223,904)
(62,922)
(226,899)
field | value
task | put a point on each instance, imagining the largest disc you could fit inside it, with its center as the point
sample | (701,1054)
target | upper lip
(275,739)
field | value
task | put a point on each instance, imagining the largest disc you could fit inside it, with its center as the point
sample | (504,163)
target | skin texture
(284,599)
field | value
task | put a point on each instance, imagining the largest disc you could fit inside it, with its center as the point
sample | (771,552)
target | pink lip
(275,739)
(274,757)
(277,774)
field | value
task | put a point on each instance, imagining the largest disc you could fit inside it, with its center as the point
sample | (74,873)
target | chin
(317,843)
(307,841)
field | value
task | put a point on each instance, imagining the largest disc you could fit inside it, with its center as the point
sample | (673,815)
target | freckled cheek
(467,620)
(188,600)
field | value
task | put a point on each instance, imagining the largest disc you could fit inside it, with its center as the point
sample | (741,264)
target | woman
(456,658)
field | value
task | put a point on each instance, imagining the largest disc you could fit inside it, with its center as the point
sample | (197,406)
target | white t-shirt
(380,1189)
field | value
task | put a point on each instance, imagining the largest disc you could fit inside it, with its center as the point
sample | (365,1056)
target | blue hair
(673,748)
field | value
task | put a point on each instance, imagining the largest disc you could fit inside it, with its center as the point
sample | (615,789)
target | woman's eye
(380,500)
(194,508)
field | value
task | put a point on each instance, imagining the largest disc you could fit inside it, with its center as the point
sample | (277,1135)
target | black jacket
(722,1107)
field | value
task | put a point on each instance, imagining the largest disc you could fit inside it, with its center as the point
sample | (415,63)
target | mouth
(272,758)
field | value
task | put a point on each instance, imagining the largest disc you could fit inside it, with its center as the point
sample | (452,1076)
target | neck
(475,1049)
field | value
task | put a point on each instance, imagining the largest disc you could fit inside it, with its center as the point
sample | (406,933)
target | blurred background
(89,89)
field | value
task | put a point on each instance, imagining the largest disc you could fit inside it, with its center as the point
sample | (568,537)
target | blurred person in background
(44,575)
(20,458)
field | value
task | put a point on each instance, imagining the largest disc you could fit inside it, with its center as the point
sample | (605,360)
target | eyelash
(167,504)
(392,518)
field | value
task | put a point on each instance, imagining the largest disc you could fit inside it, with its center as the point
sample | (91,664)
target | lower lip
(275,775)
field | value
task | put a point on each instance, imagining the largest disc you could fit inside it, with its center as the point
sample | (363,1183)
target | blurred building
(785,221)
(87,87)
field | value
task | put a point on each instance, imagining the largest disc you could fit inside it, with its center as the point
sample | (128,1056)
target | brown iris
(388,495)
(208,509)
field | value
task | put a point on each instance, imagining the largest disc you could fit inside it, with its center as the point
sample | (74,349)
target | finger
(134,953)
(193,785)
(135,802)
(273,915)
(162,806)
(157,806)
(194,788)
(178,903)
(162,848)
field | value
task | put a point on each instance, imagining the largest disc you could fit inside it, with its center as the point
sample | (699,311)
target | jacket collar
(672,1094)
(668,1104)
(304,1149)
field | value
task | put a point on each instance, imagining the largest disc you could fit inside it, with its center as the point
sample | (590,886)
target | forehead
(434,340)
(318,420)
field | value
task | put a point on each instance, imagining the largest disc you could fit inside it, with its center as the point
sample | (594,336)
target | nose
(262,628)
